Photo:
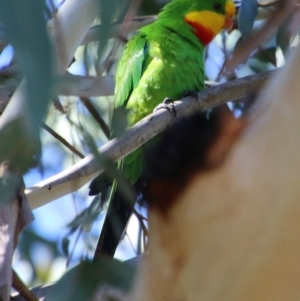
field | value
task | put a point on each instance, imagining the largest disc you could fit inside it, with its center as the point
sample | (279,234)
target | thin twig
(58,106)
(141,219)
(62,140)
(95,114)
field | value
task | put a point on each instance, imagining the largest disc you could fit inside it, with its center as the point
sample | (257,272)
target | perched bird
(164,59)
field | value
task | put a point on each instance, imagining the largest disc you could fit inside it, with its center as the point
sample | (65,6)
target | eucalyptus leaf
(119,121)
(247,14)
(108,10)
(87,216)
(26,29)
(25,26)
(267,55)
(81,282)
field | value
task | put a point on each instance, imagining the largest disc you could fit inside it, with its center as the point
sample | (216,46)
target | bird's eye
(217,6)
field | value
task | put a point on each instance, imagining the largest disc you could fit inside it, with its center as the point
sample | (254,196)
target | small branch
(62,140)
(95,114)
(141,219)
(68,85)
(83,171)
(58,106)
(71,24)
(22,289)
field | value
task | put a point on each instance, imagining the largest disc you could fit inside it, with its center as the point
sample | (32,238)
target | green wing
(130,68)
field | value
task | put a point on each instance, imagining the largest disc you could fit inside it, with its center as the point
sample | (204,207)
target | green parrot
(164,59)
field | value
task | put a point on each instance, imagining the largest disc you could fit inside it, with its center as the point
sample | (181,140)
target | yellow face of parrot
(208,23)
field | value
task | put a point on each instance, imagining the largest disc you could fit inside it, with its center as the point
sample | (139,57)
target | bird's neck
(204,35)
(180,24)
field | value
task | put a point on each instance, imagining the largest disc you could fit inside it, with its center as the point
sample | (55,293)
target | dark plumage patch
(100,183)
(192,145)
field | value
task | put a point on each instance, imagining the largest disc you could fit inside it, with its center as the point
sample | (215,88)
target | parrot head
(205,17)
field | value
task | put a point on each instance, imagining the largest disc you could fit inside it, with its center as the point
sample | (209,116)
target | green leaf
(267,55)
(109,11)
(26,29)
(81,282)
(87,216)
(119,121)
(25,26)
(247,14)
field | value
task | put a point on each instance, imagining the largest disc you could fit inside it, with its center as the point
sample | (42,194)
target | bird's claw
(167,104)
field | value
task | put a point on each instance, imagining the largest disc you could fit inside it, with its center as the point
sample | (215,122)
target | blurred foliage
(23,26)
(30,239)
(82,282)
(247,15)
(23,23)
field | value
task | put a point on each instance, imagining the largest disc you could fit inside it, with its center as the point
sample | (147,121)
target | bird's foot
(193,94)
(167,104)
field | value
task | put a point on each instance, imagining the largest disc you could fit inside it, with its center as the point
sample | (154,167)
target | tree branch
(75,177)
(69,27)
(68,85)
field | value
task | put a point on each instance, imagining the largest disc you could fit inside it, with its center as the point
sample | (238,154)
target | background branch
(85,86)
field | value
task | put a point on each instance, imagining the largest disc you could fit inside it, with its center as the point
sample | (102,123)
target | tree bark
(234,233)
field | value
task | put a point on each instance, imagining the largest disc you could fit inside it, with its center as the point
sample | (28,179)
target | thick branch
(69,28)
(79,174)
(69,85)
